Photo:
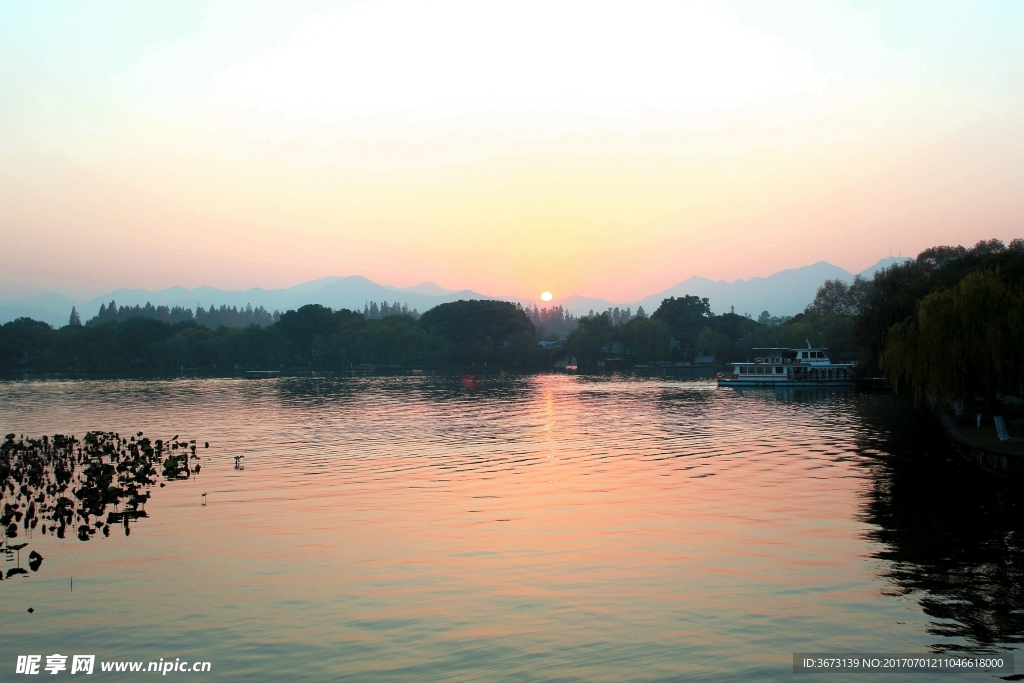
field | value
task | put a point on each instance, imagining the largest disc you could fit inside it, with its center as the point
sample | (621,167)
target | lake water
(541,528)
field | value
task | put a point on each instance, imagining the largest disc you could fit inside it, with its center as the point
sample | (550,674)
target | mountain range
(784,293)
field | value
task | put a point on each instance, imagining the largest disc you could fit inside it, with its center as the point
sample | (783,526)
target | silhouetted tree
(963,343)
(591,333)
(711,343)
(896,291)
(649,338)
(835,297)
(555,320)
(685,316)
(483,330)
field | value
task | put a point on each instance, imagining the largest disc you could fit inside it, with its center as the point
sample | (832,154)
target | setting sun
(322,224)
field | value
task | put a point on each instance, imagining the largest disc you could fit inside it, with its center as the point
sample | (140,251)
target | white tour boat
(789,368)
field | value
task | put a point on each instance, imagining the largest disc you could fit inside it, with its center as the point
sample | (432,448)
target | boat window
(778,370)
(743,369)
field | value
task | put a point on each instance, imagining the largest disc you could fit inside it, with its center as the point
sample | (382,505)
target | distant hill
(51,308)
(429,288)
(784,293)
(337,292)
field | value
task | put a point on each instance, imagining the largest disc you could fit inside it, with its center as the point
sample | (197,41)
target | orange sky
(610,150)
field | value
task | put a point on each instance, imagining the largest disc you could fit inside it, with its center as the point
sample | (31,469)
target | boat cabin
(772,365)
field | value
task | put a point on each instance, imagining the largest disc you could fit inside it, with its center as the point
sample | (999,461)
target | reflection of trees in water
(493,385)
(63,484)
(952,534)
(328,391)
(316,391)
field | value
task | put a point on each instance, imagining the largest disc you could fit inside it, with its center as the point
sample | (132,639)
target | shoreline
(692,372)
(998,460)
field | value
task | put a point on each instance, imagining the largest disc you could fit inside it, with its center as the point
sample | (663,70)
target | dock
(261,374)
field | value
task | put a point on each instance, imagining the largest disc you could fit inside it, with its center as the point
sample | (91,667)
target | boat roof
(738,363)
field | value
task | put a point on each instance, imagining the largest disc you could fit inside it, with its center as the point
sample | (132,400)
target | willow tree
(962,344)
(650,338)
(712,343)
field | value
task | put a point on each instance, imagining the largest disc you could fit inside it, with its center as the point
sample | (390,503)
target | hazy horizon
(504,148)
(82,294)
(784,293)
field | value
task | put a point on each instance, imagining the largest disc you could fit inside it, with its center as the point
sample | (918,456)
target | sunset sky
(604,149)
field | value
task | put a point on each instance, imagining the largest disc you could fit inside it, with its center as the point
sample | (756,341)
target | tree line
(212,317)
(684,328)
(885,323)
(371,311)
(876,322)
(949,327)
(312,337)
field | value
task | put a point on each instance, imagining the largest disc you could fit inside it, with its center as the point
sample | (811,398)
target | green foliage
(308,330)
(23,342)
(835,297)
(711,343)
(395,340)
(897,290)
(832,331)
(552,323)
(228,316)
(371,311)
(313,336)
(481,331)
(592,333)
(648,338)
(685,316)
(963,342)
(728,337)
(843,318)
(742,334)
